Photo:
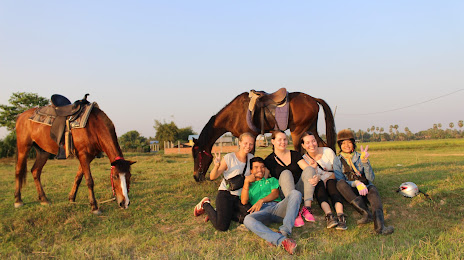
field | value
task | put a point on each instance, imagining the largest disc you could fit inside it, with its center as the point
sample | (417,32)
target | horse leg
(20,173)
(296,137)
(77,182)
(85,167)
(36,170)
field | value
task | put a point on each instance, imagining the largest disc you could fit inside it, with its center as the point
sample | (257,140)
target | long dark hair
(307,133)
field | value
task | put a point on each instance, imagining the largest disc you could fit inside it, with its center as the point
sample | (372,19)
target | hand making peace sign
(364,153)
(217,159)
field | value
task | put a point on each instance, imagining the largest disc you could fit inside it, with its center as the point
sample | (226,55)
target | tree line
(132,141)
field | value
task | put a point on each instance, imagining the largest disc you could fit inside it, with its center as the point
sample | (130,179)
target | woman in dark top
(293,173)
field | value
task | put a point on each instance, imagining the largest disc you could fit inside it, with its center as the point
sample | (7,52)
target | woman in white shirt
(321,159)
(228,204)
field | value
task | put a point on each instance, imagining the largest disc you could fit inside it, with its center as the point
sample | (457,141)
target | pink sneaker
(308,216)
(199,210)
(299,220)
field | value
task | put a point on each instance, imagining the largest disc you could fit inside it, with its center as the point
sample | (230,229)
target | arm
(218,169)
(271,197)
(368,171)
(245,196)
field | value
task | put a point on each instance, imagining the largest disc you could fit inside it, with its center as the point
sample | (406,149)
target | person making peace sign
(228,204)
(355,176)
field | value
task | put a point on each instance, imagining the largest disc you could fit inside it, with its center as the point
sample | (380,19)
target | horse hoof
(96,212)
(45,203)
(18,205)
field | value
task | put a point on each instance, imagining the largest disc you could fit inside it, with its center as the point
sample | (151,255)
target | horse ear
(131,162)
(195,140)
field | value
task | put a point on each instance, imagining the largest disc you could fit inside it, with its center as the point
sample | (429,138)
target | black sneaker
(341,222)
(331,221)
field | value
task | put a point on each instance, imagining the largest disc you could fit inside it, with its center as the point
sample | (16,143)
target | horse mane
(207,130)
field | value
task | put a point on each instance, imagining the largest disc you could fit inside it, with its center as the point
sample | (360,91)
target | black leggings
(228,208)
(350,193)
(323,192)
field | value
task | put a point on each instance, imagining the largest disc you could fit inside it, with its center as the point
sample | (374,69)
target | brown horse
(303,116)
(99,135)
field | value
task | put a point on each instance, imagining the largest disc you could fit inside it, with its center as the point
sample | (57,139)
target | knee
(295,194)
(308,173)
(248,220)
(341,184)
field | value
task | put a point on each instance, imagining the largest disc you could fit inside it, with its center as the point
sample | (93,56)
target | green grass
(160,224)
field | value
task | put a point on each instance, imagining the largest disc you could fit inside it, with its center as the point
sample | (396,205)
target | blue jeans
(282,212)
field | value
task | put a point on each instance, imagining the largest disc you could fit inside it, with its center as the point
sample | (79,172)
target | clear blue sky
(184,60)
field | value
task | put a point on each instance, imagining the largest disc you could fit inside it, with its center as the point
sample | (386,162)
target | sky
(374,62)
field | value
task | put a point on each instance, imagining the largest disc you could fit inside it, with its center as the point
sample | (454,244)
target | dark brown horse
(303,116)
(99,135)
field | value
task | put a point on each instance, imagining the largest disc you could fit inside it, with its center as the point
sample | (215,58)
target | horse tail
(329,124)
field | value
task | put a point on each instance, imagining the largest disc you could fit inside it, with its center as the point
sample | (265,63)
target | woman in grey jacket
(355,176)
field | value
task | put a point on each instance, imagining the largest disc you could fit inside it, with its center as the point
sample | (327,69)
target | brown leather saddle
(265,105)
(60,115)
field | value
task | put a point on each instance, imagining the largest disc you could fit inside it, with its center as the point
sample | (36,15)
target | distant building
(190,139)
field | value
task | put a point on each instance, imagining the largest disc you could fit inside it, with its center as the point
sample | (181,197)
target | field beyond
(159,223)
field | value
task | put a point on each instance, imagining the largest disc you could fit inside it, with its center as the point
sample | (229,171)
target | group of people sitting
(275,187)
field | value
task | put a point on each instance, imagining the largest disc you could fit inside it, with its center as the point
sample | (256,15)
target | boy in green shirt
(267,207)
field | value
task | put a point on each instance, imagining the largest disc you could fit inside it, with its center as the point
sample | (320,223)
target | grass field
(160,224)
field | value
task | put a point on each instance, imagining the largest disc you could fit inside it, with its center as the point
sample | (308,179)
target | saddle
(274,105)
(63,116)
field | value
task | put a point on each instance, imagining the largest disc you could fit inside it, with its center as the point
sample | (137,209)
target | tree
(19,102)
(451,125)
(8,145)
(460,124)
(171,133)
(132,141)
(183,133)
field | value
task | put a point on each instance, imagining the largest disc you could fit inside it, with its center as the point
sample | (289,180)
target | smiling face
(347,146)
(258,169)
(310,144)
(246,144)
(280,141)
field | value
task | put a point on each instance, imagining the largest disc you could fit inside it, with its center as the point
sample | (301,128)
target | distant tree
(132,141)
(8,145)
(183,133)
(171,133)
(19,102)
(451,125)
(165,132)
(439,125)
(460,124)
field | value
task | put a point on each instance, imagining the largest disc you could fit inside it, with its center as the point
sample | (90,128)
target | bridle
(112,173)
(200,157)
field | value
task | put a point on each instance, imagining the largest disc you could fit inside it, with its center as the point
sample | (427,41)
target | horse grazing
(98,135)
(303,114)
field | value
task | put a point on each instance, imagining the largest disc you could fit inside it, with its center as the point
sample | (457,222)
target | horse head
(120,181)
(201,161)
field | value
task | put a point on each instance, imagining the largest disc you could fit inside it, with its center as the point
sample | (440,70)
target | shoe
(307,214)
(299,220)
(199,210)
(331,221)
(379,224)
(289,245)
(341,222)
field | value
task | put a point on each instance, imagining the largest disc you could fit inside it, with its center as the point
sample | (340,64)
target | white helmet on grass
(408,189)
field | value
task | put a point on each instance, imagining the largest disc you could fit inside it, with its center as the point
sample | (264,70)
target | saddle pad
(46,115)
(81,120)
